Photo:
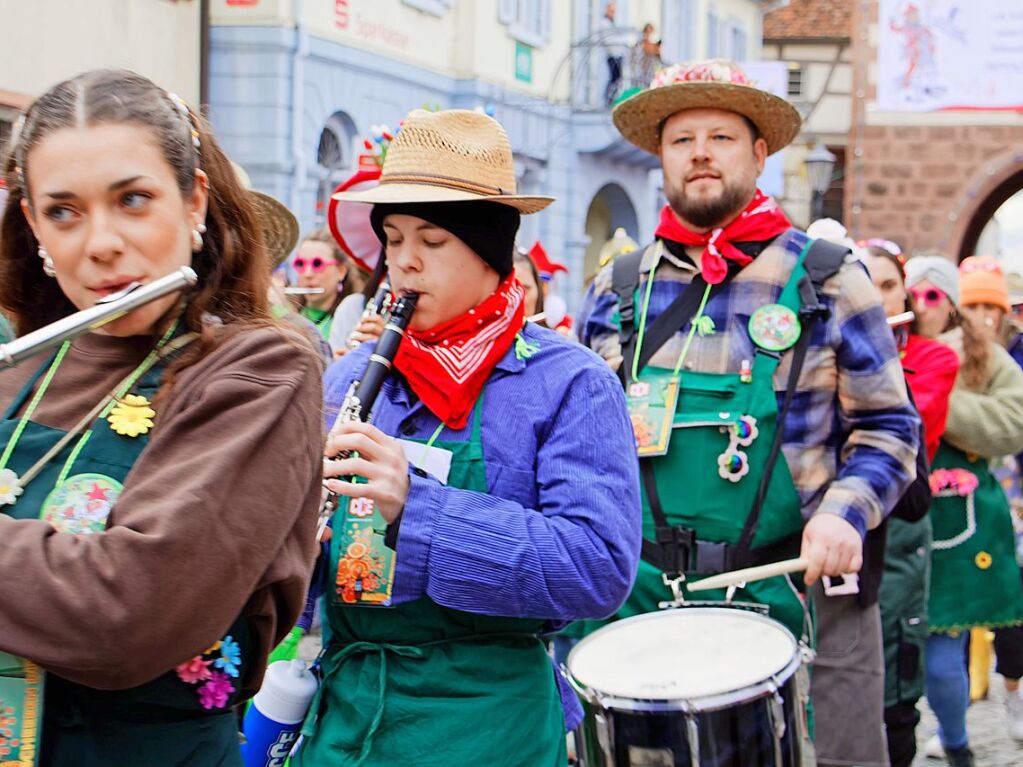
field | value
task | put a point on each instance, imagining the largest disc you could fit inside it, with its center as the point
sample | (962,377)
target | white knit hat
(937,270)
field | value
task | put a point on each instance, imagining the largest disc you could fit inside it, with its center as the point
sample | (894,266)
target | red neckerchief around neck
(447,365)
(761,220)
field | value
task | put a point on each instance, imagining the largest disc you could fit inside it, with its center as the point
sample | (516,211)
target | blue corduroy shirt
(557,536)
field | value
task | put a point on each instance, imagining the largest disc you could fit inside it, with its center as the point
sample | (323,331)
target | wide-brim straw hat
(280,227)
(455,155)
(709,84)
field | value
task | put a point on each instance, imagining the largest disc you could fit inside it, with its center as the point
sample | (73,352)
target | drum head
(683,654)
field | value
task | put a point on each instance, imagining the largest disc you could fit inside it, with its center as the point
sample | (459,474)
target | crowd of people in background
(881,434)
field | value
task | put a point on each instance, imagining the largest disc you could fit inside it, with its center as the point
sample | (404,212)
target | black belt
(677,550)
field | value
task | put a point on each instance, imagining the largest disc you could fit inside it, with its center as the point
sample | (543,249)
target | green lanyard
(429,444)
(646,307)
(23,422)
(100,411)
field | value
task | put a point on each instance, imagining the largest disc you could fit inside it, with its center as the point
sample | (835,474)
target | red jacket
(931,368)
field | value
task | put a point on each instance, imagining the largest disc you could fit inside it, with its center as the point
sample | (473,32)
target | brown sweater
(217,516)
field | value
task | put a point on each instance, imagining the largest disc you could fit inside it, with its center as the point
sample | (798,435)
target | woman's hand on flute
(375,457)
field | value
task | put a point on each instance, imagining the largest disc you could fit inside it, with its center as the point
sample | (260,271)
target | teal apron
(693,493)
(421,684)
(160,722)
(974,575)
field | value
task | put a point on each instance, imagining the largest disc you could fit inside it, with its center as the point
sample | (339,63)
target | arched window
(333,158)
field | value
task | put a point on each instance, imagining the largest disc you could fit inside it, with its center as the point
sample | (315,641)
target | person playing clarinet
(160,476)
(499,460)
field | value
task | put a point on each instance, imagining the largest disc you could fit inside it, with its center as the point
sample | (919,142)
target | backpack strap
(624,281)
(822,261)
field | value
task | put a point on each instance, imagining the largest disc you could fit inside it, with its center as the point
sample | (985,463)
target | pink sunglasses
(928,297)
(315,264)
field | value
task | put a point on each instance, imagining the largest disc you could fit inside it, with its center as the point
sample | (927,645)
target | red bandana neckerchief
(761,220)
(447,365)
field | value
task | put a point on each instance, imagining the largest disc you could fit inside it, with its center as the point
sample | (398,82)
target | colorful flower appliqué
(194,670)
(10,489)
(132,416)
(230,657)
(81,504)
(215,686)
(217,691)
(948,482)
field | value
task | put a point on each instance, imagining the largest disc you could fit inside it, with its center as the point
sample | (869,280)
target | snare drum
(692,687)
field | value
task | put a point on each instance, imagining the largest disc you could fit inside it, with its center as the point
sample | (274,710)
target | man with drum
(764,385)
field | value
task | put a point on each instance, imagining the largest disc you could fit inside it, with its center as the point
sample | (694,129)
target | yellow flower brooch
(131,416)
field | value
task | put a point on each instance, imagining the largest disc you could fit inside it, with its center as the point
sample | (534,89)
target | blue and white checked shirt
(558,535)
(850,439)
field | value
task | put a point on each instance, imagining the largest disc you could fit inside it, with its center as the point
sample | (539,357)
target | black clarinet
(362,394)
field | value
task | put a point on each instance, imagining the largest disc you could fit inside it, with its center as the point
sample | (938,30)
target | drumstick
(749,574)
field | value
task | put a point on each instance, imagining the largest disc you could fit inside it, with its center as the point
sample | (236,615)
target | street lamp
(820,164)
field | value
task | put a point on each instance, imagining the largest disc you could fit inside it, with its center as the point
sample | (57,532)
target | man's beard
(708,213)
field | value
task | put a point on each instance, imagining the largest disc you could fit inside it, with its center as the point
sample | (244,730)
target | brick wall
(924,185)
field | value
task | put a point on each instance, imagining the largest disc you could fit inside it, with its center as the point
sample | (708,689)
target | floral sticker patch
(946,482)
(212,671)
(81,504)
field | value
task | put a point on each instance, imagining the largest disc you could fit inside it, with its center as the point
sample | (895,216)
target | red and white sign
(341,17)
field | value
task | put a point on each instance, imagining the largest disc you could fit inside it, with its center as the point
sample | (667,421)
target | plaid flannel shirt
(851,436)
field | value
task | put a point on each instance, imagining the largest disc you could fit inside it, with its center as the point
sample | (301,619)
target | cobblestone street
(989,738)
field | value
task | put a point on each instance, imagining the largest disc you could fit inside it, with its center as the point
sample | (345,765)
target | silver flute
(106,309)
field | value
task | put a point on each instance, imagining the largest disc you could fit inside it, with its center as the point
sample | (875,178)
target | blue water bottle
(273,720)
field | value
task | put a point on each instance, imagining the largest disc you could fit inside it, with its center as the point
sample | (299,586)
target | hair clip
(182,107)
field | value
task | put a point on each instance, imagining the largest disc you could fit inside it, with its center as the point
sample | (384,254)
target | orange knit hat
(981,282)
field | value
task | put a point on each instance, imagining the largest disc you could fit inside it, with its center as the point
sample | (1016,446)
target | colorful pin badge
(733,465)
(81,504)
(774,327)
(745,430)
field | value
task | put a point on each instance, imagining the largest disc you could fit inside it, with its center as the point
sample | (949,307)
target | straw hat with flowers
(450,156)
(710,84)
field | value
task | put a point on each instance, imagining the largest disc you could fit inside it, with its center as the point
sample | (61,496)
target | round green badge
(774,327)
(81,504)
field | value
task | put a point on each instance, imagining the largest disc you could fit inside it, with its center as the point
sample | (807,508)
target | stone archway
(995,181)
(609,209)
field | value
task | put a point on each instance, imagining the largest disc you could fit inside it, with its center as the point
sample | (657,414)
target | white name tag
(432,460)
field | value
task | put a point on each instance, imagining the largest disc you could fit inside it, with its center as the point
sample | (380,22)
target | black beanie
(488,228)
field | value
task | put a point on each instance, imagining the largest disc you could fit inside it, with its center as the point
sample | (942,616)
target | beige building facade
(46,41)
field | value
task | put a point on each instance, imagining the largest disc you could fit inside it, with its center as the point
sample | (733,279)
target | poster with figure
(949,55)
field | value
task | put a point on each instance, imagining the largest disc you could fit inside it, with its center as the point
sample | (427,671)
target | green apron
(421,684)
(693,494)
(903,603)
(974,575)
(160,722)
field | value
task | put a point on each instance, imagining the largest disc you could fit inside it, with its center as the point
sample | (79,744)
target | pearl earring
(197,234)
(48,268)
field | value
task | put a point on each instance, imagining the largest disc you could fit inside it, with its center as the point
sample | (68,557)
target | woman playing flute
(158,477)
